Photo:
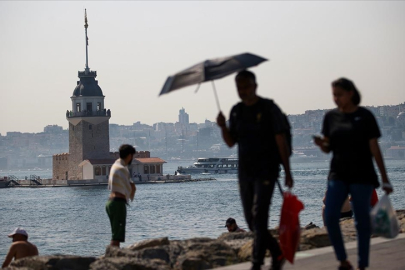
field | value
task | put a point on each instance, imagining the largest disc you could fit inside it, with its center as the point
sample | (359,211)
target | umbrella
(210,70)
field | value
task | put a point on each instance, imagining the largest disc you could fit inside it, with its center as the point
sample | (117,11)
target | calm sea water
(72,220)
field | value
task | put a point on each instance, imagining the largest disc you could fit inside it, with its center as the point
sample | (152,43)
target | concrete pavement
(386,254)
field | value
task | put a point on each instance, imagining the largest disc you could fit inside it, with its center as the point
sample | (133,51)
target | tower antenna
(87,42)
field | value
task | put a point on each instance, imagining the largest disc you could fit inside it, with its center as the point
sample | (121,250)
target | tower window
(98,106)
(89,106)
(78,107)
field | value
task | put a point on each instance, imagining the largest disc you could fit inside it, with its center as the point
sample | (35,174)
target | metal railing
(85,113)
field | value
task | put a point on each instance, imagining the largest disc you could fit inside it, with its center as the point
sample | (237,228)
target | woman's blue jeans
(360,198)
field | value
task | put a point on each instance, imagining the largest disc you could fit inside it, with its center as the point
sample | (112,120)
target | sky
(135,45)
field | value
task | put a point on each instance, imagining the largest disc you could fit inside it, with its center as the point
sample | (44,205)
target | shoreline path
(387,254)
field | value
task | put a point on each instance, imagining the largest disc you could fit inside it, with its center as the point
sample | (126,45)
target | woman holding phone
(351,133)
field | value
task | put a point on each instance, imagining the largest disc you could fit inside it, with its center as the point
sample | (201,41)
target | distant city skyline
(183,116)
(135,45)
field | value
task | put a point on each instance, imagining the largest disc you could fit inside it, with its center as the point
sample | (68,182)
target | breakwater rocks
(99,182)
(190,254)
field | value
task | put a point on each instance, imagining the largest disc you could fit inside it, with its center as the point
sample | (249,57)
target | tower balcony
(93,117)
(87,74)
(84,113)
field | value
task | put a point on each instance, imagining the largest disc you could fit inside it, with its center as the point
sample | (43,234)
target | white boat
(211,165)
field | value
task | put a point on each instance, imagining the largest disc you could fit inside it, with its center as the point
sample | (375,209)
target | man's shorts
(117,212)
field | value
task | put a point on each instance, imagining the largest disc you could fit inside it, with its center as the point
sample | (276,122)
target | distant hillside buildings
(175,140)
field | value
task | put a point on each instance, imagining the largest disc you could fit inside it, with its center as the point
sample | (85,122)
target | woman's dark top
(349,140)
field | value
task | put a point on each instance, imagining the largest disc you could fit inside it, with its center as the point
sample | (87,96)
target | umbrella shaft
(216,96)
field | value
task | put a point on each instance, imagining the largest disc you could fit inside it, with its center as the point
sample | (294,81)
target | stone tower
(88,120)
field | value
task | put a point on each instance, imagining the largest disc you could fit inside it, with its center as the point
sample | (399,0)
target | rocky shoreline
(190,254)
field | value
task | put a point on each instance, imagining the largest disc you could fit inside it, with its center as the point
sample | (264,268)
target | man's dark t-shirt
(349,137)
(254,128)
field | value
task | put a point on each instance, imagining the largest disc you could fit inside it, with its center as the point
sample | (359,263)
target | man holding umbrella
(257,125)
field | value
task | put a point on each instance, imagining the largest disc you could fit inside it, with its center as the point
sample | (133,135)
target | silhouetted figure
(351,133)
(259,128)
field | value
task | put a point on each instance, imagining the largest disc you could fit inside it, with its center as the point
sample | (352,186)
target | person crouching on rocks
(232,226)
(20,248)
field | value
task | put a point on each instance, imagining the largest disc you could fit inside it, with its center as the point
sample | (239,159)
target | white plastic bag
(384,220)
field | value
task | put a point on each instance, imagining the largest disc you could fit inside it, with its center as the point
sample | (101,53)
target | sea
(73,220)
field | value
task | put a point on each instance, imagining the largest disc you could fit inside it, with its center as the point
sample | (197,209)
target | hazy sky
(135,45)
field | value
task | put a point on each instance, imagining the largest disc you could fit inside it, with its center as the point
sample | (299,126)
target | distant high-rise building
(183,117)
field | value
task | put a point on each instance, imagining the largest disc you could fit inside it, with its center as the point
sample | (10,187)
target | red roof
(149,160)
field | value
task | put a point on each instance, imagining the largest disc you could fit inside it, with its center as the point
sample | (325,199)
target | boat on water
(4,183)
(211,166)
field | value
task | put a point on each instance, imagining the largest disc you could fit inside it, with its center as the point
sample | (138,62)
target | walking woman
(351,132)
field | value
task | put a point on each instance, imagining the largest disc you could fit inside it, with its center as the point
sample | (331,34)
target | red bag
(290,230)
(374,198)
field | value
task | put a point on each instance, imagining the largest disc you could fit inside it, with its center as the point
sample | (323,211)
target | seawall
(229,249)
(98,182)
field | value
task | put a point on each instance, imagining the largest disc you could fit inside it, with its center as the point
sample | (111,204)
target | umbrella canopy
(210,70)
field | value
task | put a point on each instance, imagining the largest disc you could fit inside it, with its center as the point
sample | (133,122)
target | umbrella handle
(216,96)
(198,87)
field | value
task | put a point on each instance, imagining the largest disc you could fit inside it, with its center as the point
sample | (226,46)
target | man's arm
(284,155)
(10,255)
(226,135)
(375,150)
(133,189)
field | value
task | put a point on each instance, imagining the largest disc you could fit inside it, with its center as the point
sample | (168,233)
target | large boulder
(236,240)
(314,238)
(195,253)
(401,219)
(150,253)
(205,253)
(150,243)
(65,262)
(245,251)
(129,263)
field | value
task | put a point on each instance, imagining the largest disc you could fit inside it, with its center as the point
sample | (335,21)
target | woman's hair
(348,85)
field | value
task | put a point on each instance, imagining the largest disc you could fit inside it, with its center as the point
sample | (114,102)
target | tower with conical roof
(88,123)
